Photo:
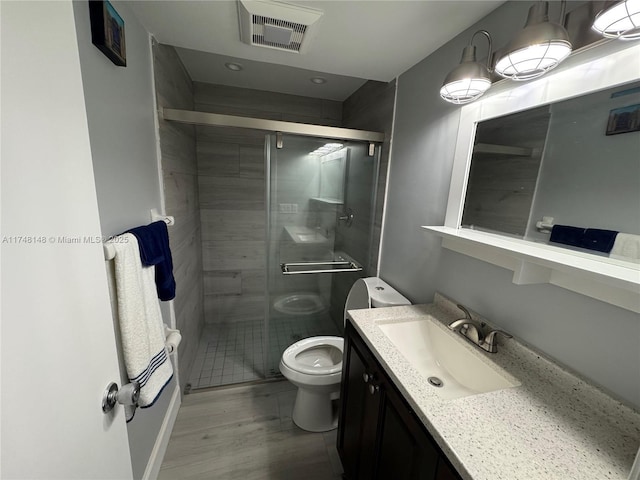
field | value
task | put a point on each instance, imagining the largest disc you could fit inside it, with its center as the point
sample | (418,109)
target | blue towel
(599,240)
(589,238)
(567,235)
(154,250)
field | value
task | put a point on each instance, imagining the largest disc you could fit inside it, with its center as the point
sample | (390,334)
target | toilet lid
(315,355)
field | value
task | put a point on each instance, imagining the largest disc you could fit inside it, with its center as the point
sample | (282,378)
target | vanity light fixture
(619,19)
(539,47)
(469,80)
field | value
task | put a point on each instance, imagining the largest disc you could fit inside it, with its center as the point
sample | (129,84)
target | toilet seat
(315,355)
(314,365)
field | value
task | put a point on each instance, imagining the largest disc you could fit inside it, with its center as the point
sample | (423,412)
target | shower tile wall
(178,155)
(369,108)
(232,194)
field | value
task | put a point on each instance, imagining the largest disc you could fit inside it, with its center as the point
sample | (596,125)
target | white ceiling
(364,39)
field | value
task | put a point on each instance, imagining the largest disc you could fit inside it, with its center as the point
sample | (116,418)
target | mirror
(506,159)
(332,176)
(576,161)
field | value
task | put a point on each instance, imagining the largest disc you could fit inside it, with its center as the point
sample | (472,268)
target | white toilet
(314,364)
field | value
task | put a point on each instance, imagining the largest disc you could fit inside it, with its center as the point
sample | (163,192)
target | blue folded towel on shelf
(589,238)
(567,235)
(153,240)
(599,240)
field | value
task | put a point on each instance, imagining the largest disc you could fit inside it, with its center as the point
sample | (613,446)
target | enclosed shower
(287,213)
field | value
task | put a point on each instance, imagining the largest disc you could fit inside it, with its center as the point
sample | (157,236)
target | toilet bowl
(299,303)
(314,364)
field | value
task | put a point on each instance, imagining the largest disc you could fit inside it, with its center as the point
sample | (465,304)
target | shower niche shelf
(507,150)
(305,235)
(327,201)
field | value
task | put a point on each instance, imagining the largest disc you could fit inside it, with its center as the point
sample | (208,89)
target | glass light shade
(468,81)
(464,91)
(620,20)
(534,61)
(539,47)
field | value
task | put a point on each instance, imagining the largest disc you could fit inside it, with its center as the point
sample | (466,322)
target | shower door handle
(320,267)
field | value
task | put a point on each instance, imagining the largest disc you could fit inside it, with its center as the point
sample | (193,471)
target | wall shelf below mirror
(609,280)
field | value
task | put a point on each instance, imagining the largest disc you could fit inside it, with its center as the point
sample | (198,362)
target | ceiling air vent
(277,25)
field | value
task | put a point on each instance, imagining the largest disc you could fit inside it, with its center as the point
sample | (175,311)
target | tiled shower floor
(233,352)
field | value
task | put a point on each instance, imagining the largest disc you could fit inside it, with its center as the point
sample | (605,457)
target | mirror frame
(596,71)
(605,65)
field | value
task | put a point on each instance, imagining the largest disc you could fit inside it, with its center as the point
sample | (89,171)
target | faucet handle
(490,340)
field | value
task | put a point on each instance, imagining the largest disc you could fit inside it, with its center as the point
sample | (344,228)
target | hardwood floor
(246,432)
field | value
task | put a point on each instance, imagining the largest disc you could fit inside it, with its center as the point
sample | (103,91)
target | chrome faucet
(489,343)
(473,331)
(468,327)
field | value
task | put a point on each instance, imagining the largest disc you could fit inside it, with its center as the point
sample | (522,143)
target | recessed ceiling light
(233,66)
(318,80)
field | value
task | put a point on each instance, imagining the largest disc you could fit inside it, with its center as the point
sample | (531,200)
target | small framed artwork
(107,31)
(624,120)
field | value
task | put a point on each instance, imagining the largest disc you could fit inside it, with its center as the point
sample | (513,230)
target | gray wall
(368,108)
(595,339)
(174,89)
(232,194)
(371,108)
(120,111)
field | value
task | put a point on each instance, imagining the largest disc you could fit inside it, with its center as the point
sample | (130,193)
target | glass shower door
(320,208)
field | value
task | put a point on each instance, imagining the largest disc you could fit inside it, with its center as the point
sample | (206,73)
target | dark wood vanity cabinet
(379,436)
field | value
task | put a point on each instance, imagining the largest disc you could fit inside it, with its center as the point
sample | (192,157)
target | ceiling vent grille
(277,25)
(268,32)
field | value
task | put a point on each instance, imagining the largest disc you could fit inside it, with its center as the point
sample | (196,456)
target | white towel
(626,247)
(141,327)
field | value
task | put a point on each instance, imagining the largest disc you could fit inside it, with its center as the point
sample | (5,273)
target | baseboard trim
(160,447)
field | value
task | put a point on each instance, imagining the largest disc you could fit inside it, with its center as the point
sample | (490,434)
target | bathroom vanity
(379,435)
(534,420)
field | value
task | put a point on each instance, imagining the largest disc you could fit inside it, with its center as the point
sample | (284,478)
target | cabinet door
(405,450)
(357,427)
(446,471)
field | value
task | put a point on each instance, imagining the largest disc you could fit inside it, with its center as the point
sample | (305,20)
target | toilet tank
(372,292)
(384,295)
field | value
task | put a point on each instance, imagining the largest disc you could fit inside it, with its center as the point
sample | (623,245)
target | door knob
(127,395)
(367,377)
(373,389)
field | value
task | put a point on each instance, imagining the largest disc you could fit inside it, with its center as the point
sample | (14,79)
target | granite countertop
(553,426)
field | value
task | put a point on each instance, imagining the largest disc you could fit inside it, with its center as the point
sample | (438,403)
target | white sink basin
(434,351)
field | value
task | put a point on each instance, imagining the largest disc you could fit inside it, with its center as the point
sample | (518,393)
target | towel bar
(330,267)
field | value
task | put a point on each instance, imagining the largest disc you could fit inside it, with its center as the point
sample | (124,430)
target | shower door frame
(306,129)
(274,139)
(271,127)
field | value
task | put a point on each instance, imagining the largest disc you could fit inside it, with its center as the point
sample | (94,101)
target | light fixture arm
(486,34)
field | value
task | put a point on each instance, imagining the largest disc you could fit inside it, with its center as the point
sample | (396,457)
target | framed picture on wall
(624,120)
(107,31)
